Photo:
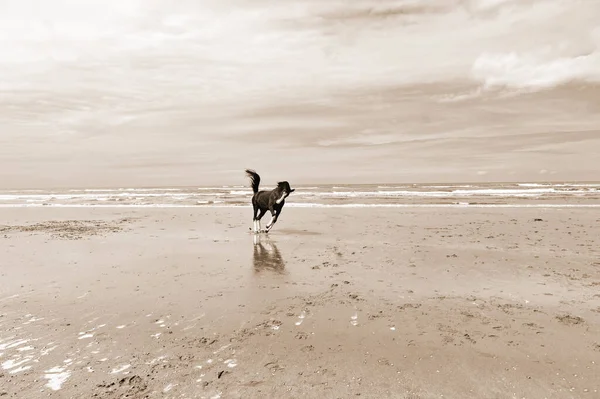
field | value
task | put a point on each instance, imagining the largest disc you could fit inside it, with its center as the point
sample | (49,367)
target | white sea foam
(350,195)
(451,193)
(460,205)
(318,205)
(591,185)
(100,197)
(436,186)
(157,205)
(240,192)
(224,188)
(116,190)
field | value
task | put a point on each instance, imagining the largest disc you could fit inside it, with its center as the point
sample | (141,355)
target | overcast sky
(156,92)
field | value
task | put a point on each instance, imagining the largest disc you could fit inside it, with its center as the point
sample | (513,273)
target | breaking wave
(347,195)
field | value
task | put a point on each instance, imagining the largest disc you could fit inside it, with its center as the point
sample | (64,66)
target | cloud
(88,87)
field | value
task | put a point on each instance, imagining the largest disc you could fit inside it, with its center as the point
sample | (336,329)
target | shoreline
(354,196)
(303,205)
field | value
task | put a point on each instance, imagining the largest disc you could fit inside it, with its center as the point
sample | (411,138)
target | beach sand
(333,303)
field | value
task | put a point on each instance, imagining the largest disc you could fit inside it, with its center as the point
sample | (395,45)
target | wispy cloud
(87,88)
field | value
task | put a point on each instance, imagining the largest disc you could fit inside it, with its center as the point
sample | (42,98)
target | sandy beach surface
(334,303)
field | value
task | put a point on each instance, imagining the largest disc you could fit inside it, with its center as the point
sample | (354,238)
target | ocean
(407,195)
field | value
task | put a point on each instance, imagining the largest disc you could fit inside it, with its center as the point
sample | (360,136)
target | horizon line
(135,187)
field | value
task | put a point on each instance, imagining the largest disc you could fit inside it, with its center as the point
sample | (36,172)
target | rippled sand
(373,303)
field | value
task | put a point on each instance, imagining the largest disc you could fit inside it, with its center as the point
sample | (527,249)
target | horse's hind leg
(255,226)
(260,216)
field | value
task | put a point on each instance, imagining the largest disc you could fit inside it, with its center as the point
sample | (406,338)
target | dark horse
(263,201)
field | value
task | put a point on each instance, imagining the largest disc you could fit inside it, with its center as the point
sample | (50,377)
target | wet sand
(334,303)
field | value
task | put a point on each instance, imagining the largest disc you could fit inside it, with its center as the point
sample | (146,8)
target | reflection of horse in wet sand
(267,256)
